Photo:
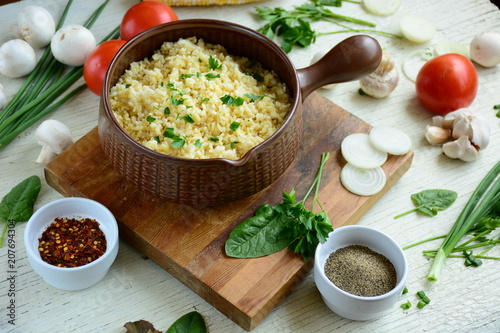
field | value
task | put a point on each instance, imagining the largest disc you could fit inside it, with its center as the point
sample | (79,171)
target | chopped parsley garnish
(232,144)
(150,119)
(171,86)
(253,62)
(166,111)
(254,97)
(214,139)
(185,76)
(127,85)
(197,143)
(189,119)
(234,101)
(177,101)
(214,64)
(162,84)
(211,76)
(177,142)
(157,139)
(234,126)
(169,133)
(203,99)
(256,76)
(198,74)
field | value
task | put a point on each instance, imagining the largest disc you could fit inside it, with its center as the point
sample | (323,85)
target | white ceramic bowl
(71,278)
(346,304)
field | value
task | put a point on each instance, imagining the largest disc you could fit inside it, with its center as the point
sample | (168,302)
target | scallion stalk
(486,195)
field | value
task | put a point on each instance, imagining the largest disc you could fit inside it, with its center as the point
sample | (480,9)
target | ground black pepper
(71,242)
(358,270)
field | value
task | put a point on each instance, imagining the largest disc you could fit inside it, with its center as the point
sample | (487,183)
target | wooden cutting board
(189,243)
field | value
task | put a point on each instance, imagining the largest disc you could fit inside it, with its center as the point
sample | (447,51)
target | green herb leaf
(171,86)
(169,133)
(17,205)
(166,111)
(211,76)
(150,119)
(203,99)
(233,144)
(157,139)
(127,85)
(189,323)
(177,101)
(185,76)
(406,306)
(213,64)
(430,202)
(234,126)
(232,101)
(178,143)
(198,143)
(214,139)
(189,119)
(254,97)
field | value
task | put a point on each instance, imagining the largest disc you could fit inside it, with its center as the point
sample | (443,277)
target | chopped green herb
(169,133)
(214,139)
(198,74)
(189,119)
(471,260)
(178,116)
(253,62)
(496,107)
(157,139)
(197,143)
(162,84)
(199,60)
(234,126)
(171,86)
(254,97)
(127,85)
(256,76)
(189,106)
(177,101)
(232,101)
(233,144)
(214,64)
(150,119)
(185,76)
(421,294)
(405,290)
(211,76)
(178,143)
(203,99)
(166,111)
(406,306)
(421,304)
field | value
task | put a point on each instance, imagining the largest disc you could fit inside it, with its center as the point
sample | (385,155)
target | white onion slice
(449,46)
(361,181)
(414,62)
(390,140)
(417,29)
(358,150)
(382,7)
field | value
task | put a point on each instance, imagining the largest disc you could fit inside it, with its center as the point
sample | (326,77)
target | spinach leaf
(258,235)
(430,202)
(191,322)
(17,205)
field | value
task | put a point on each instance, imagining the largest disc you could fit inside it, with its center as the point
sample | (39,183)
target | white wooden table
(463,300)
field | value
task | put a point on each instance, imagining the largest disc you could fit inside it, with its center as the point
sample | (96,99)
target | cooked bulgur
(192,99)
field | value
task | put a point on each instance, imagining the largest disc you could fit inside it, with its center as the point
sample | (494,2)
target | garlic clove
(437,135)
(461,149)
(437,121)
(449,118)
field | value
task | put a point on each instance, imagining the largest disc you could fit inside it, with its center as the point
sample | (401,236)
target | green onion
(406,306)
(486,195)
(47,83)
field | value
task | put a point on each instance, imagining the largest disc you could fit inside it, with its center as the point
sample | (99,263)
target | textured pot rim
(208,23)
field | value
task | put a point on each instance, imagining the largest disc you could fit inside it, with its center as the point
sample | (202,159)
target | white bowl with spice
(71,242)
(360,272)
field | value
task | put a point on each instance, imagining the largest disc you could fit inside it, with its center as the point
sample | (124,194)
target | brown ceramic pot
(205,182)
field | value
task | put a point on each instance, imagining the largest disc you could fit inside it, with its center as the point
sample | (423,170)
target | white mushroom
(485,49)
(36,25)
(3,98)
(72,44)
(54,137)
(17,58)
(383,80)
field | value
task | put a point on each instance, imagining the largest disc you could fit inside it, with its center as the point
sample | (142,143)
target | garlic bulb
(475,127)
(437,135)
(461,149)
(383,80)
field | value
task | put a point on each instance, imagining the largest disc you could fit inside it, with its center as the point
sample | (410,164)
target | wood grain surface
(188,242)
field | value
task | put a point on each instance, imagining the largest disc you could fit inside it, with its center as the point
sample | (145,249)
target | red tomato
(447,83)
(97,64)
(145,15)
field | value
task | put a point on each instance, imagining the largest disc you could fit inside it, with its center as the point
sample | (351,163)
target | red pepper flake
(71,242)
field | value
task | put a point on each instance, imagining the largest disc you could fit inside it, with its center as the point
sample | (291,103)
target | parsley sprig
(294,28)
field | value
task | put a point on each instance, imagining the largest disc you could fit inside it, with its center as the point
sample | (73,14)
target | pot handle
(351,59)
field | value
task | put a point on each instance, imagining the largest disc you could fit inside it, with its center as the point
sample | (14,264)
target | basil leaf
(430,202)
(191,322)
(17,205)
(258,235)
